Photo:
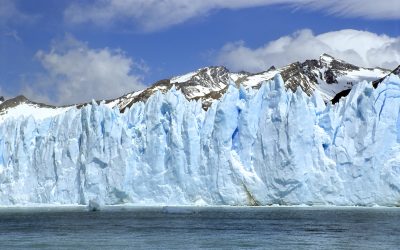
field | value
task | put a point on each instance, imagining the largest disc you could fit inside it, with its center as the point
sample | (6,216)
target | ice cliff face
(252,147)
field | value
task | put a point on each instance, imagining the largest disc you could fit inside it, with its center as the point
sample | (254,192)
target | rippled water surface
(193,228)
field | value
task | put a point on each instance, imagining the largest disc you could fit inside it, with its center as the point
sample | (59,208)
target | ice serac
(251,147)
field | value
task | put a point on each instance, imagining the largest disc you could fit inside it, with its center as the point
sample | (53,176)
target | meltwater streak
(212,227)
(251,147)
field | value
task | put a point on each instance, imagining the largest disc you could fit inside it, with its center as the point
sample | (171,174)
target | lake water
(208,228)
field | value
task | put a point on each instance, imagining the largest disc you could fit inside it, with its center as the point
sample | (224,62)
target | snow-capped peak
(328,75)
(326,58)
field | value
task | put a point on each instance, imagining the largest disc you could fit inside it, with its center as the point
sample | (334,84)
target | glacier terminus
(261,146)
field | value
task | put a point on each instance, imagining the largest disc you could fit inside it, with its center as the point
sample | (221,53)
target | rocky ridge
(332,77)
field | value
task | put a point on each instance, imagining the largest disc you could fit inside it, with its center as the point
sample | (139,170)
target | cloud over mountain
(359,47)
(79,73)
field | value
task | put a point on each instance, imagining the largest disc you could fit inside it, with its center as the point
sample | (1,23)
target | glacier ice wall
(253,147)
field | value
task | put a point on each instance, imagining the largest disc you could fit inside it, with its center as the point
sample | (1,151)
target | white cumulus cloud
(362,48)
(152,15)
(76,73)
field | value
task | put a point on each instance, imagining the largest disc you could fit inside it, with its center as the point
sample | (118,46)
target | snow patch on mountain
(183,78)
(26,110)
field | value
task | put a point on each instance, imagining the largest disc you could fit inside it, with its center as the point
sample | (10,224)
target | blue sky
(64,52)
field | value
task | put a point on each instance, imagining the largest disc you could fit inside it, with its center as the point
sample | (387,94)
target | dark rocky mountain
(332,77)
(327,74)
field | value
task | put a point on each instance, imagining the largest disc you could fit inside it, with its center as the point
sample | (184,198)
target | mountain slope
(22,106)
(375,84)
(328,75)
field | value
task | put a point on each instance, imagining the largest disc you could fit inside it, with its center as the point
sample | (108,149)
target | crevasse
(252,147)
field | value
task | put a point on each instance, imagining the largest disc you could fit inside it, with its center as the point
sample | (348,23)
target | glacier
(252,147)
